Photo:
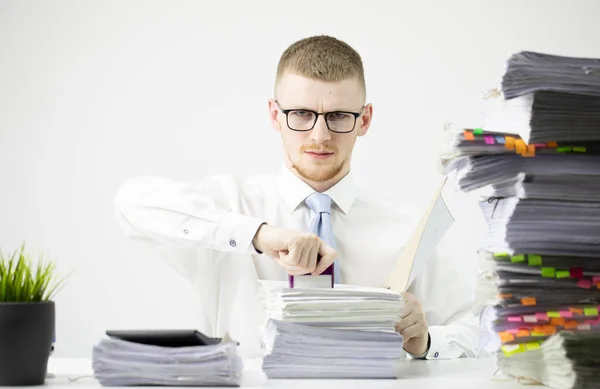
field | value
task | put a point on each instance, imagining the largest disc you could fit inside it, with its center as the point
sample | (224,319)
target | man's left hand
(413,326)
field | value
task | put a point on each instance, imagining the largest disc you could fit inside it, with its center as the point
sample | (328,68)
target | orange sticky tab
(507,296)
(538,329)
(549,330)
(528,301)
(468,135)
(571,324)
(530,152)
(552,144)
(520,146)
(557,321)
(506,337)
(577,311)
(509,142)
(523,334)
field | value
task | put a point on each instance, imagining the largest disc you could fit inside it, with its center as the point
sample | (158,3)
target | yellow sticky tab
(553,314)
(512,349)
(520,146)
(517,258)
(510,142)
(563,274)
(532,346)
(590,311)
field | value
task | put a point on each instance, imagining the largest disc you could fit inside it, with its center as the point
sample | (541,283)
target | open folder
(422,245)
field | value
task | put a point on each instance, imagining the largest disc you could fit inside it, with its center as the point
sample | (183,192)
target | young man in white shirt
(223,233)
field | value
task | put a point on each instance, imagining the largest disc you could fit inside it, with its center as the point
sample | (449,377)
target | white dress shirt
(205,229)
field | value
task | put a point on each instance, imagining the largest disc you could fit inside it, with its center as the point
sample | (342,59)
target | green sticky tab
(477,131)
(517,258)
(548,272)
(563,149)
(532,346)
(537,334)
(534,260)
(563,274)
(554,314)
(590,311)
(580,149)
(512,349)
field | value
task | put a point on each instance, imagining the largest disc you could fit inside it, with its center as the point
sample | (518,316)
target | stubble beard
(319,173)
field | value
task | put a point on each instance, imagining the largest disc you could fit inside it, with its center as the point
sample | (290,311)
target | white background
(95,92)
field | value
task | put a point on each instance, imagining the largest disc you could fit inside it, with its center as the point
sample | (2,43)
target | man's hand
(297,252)
(413,326)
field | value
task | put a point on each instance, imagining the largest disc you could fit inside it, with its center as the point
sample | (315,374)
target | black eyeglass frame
(317,114)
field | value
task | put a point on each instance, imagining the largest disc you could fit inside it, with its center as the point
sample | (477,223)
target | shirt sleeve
(204,214)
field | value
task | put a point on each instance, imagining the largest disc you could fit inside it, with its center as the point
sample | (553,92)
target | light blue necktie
(320,224)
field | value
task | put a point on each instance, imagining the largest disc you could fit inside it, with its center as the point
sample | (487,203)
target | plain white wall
(94,92)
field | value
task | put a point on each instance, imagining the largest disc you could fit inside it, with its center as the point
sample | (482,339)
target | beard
(324,171)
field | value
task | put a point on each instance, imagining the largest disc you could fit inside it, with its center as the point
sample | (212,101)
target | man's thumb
(328,255)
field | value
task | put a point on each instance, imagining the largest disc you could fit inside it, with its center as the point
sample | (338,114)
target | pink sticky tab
(540,145)
(514,319)
(513,330)
(566,314)
(543,316)
(585,284)
(595,279)
(489,139)
(530,319)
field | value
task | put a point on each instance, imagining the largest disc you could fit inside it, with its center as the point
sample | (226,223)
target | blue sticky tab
(500,139)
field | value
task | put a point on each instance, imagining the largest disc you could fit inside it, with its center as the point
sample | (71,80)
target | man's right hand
(297,252)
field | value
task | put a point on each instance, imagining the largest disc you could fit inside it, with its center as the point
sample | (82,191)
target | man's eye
(301,113)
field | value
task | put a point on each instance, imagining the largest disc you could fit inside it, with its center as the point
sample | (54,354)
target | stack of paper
(122,363)
(345,332)
(535,162)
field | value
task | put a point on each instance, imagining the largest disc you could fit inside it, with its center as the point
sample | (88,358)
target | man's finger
(407,321)
(411,331)
(328,255)
(313,255)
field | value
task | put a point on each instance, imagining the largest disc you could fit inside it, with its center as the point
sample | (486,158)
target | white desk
(455,374)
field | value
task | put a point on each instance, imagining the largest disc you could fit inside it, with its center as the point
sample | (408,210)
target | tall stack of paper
(118,362)
(344,332)
(536,163)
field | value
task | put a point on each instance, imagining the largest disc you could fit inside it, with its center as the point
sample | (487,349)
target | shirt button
(232,242)
(436,354)
(185,232)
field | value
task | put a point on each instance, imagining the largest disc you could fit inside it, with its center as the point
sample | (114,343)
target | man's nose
(320,133)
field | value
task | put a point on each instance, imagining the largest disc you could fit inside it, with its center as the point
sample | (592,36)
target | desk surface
(459,374)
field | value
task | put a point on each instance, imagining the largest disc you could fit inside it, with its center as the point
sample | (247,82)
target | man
(223,233)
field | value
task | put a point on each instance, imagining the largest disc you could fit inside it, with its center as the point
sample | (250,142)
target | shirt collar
(293,190)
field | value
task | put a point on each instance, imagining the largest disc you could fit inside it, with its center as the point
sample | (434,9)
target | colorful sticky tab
(548,272)
(500,139)
(590,311)
(513,331)
(563,274)
(586,284)
(553,314)
(576,272)
(477,131)
(523,334)
(579,149)
(512,349)
(529,319)
(584,326)
(489,140)
(529,151)
(506,337)
(468,135)
(552,144)
(595,279)
(576,311)
(564,149)
(566,314)
(532,346)
(514,319)
(534,260)
(517,258)
(540,145)
(541,316)
(520,146)
(528,301)
(510,142)
(557,321)
(571,324)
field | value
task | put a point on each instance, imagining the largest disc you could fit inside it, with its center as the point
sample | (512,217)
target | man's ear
(274,115)
(364,120)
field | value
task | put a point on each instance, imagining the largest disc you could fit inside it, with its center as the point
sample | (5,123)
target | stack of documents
(345,332)
(118,362)
(535,162)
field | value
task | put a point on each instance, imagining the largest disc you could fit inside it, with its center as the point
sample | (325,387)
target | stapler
(307,281)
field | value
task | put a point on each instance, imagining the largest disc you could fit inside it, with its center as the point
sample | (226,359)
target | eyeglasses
(304,119)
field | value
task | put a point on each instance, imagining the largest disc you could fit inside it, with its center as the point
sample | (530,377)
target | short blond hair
(323,58)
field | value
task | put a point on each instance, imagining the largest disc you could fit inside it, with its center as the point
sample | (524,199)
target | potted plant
(27,318)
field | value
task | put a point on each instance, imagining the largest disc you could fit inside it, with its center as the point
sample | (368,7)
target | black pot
(26,332)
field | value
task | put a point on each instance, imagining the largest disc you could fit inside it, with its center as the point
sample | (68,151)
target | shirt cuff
(440,347)
(236,232)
